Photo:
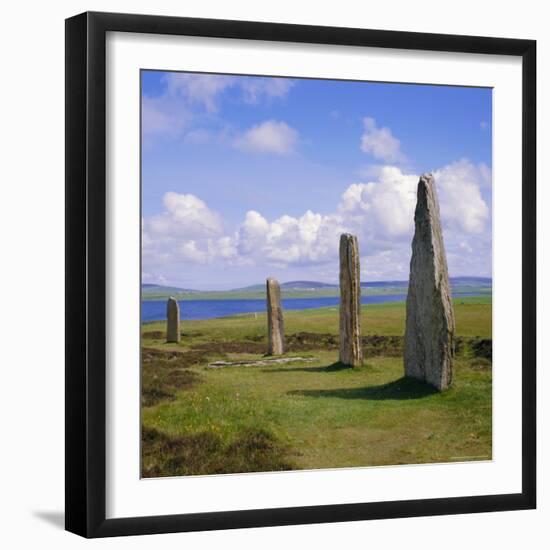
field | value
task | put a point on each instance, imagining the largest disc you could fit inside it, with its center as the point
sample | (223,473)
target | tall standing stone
(173,324)
(275,324)
(351,352)
(430,325)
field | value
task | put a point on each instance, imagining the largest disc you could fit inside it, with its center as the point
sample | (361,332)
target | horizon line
(168,285)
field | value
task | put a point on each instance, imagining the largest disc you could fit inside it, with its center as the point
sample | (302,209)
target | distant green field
(293,293)
(309,414)
(473,318)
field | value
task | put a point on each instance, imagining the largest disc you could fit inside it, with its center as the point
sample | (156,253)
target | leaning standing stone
(350,302)
(430,325)
(275,325)
(173,324)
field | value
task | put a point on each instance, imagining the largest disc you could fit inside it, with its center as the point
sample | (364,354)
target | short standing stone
(430,324)
(275,324)
(350,302)
(173,324)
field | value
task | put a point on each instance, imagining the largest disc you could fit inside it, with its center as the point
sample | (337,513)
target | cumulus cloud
(190,251)
(462,206)
(380,142)
(187,229)
(252,232)
(485,174)
(271,136)
(185,216)
(380,212)
(387,204)
(309,239)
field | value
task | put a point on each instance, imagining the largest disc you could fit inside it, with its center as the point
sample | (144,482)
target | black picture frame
(86,274)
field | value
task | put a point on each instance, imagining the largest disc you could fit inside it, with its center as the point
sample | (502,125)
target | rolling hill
(303,289)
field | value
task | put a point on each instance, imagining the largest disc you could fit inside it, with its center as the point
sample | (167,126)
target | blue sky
(249,177)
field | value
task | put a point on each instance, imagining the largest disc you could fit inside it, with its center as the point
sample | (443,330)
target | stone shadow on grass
(334,367)
(403,388)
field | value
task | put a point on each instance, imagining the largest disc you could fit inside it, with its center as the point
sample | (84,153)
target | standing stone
(430,325)
(173,324)
(350,302)
(275,325)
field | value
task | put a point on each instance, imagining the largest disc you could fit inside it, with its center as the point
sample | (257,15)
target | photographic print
(316,274)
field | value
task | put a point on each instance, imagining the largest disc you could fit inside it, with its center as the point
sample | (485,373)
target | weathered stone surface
(261,362)
(350,302)
(430,324)
(173,323)
(275,324)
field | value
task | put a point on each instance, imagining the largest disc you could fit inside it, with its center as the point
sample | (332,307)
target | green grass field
(311,413)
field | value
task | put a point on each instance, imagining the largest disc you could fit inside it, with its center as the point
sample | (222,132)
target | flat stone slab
(260,362)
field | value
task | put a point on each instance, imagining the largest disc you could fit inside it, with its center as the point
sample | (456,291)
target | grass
(311,414)
(163,374)
(200,453)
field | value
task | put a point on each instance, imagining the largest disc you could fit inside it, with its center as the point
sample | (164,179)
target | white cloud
(379,212)
(185,216)
(206,89)
(189,96)
(255,89)
(163,116)
(486,175)
(190,251)
(207,250)
(153,278)
(187,230)
(462,206)
(202,89)
(386,206)
(380,142)
(271,136)
(310,238)
(252,232)
(225,247)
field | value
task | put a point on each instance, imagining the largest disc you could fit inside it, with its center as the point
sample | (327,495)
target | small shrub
(164,373)
(482,347)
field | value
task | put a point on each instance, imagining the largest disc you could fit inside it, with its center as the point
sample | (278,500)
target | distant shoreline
(202,310)
(292,293)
